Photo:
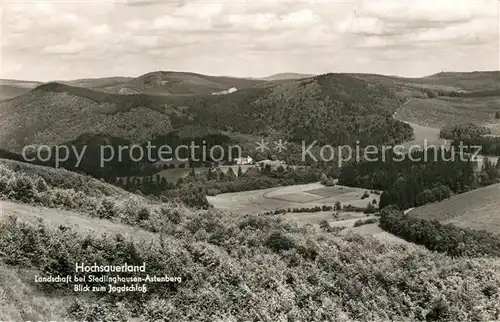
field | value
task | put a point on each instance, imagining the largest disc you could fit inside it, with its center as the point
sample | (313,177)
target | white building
(244,160)
(228,91)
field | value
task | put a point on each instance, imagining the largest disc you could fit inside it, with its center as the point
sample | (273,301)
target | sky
(61,40)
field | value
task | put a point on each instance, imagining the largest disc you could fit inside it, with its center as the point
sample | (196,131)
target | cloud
(247,38)
(70,48)
(416,22)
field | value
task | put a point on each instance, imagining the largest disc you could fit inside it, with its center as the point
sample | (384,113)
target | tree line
(194,188)
(410,183)
(439,237)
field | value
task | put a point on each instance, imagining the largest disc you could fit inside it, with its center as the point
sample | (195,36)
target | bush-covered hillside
(244,268)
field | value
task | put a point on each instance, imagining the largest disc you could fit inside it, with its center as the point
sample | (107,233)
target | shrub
(362,222)
(20,187)
(352,208)
(279,241)
(370,208)
(67,198)
(143,214)
(4,180)
(173,215)
(41,185)
(107,208)
(329,182)
(323,179)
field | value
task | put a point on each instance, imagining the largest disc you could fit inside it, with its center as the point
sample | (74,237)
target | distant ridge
(286,76)
(10,88)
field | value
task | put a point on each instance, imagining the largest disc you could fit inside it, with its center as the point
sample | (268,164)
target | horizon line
(245,77)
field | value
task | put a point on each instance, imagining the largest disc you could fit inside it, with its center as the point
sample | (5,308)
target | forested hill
(330,108)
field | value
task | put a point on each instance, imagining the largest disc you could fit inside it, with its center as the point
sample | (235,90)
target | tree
(323,178)
(385,200)
(240,172)
(211,175)
(425,197)
(230,174)
(329,182)
(489,172)
(370,208)
(338,206)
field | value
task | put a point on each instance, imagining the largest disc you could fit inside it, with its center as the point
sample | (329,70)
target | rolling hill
(450,81)
(446,98)
(168,83)
(97,82)
(441,111)
(473,81)
(10,88)
(286,76)
(334,109)
(330,108)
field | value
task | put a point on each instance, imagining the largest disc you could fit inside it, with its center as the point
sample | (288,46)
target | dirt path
(55,217)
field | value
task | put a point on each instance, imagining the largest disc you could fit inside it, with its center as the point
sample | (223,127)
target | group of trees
(194,188)
(445,238)
(471,136)
(489,145)
(427,176)
(401,195)
(110,157)
(463,131)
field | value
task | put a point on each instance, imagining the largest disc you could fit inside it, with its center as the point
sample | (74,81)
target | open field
(306,195)
(478,209)
(425,136)
(438,112)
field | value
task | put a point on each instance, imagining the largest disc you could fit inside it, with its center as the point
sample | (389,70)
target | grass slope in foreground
(232,267)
